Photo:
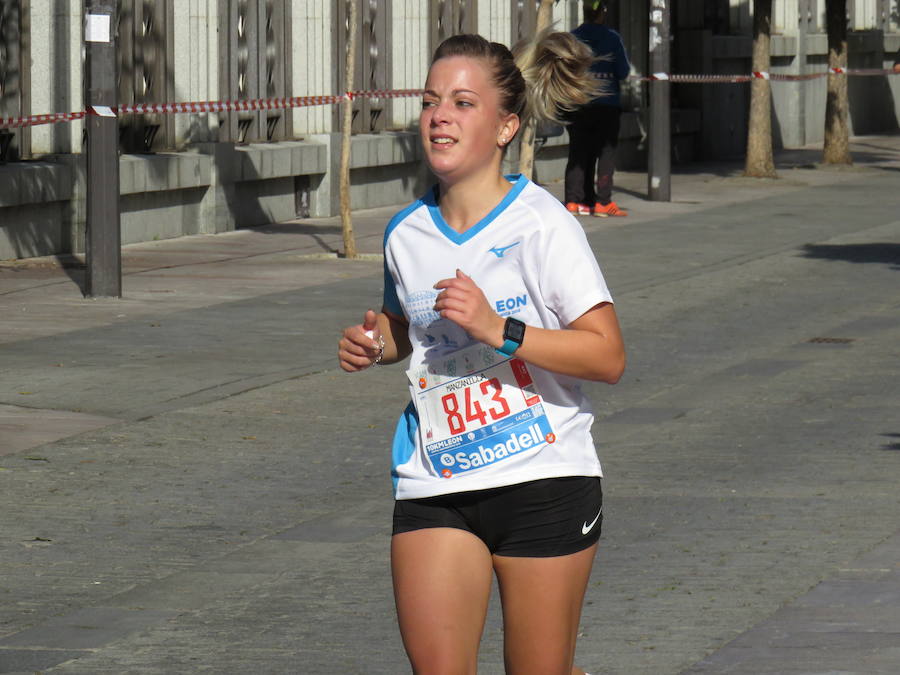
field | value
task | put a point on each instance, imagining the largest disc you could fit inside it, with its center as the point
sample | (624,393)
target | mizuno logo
(500,250)
(587,528)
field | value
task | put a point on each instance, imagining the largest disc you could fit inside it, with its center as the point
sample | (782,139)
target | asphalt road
(189,484)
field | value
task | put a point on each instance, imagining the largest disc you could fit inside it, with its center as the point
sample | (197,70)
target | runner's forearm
(396,338)
(591,348)
(577,353)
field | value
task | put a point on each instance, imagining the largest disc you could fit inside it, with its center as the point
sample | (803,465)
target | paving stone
(87,628)
(30,661)
(237,517)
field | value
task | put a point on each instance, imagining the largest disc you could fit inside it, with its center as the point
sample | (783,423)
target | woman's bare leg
(542,600)
(442,584)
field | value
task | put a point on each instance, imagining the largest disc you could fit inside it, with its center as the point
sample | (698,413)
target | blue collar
(430,200)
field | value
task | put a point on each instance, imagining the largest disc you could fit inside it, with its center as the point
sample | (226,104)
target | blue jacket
(604,41)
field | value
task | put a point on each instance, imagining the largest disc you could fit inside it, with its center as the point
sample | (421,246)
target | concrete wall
(214,187)
(206,186)
(34,203)
(798,108)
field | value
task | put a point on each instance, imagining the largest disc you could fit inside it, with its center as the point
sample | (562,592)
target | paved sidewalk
(189,485)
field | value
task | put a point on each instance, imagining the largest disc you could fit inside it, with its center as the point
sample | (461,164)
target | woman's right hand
(357,350)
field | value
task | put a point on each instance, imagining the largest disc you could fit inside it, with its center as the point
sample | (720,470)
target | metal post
(805,11)
(659,153)
(103,236)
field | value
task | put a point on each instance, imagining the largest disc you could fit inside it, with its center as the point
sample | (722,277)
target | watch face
(515,330)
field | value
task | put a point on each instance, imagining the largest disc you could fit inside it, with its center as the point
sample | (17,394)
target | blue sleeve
(391,302)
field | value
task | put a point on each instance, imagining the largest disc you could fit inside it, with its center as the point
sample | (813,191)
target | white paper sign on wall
(96,28)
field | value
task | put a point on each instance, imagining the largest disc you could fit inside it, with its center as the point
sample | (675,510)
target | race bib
(477,408)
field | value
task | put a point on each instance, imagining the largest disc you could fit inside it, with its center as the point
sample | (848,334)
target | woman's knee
(443,663)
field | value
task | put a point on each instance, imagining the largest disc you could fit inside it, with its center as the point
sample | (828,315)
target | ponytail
(545,77)
(556,66)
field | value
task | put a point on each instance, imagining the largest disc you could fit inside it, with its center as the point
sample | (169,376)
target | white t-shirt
(490,421)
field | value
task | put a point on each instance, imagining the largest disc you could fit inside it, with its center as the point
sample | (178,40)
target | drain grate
(830,341)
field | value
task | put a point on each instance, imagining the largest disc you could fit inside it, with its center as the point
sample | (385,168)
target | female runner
(491,287)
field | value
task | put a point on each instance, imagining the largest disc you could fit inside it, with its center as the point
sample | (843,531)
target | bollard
(103,245)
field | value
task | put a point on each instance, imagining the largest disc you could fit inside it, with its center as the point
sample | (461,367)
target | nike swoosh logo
(500,250)
(587,528)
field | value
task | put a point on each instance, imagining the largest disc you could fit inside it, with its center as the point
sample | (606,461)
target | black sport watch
(513,335)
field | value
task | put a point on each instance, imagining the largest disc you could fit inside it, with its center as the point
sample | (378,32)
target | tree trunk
(837,108)
(526,146)
(760,161)
(346,129)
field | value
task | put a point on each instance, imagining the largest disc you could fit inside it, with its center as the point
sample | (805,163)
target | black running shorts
(538,519)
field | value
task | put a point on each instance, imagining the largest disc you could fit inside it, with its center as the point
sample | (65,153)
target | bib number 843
(473,410)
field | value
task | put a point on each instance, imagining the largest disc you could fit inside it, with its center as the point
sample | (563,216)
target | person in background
(897,62)
(594,128)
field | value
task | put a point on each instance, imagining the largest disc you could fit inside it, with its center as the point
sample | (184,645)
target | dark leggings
(593,136)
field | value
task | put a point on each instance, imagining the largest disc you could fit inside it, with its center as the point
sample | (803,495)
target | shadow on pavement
(75,269)
(812,157)
(315,232)
(297,228)
(892,446)
(886,253)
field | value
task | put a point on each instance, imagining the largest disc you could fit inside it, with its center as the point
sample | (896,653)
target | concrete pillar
(215,214)
(409,61)
(789,98)
(495,20)
(313,71)
(196,51)
(56,73)
(73,217)
(324,194)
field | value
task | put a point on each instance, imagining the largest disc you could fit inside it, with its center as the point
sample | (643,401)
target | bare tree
(526,148)
(760,161)
(346,128)
(837,108)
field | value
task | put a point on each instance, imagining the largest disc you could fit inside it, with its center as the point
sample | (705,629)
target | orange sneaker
(578,209)
(610,209)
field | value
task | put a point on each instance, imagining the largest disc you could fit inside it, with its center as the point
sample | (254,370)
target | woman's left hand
(462,302)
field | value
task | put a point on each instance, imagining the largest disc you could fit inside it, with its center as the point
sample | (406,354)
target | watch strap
(508,348)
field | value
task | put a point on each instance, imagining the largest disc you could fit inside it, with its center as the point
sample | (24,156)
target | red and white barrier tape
(223,106)
(34,120)
(205,106)
(304,101)
(386,93)
(761,75)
